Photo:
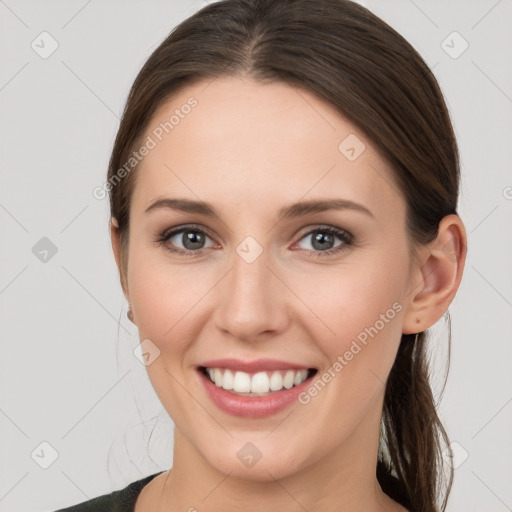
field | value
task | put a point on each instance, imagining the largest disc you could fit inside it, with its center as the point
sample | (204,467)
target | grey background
(68,376)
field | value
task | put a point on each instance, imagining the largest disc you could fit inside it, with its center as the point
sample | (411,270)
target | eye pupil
(323,239)
(194,237)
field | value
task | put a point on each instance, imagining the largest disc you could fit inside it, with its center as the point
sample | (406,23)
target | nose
(252,300)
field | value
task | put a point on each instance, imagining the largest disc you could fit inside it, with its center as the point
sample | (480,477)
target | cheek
(342,303)
(163,298)
(357,326)
(365,315)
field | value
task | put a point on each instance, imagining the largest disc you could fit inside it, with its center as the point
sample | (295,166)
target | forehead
(239,142)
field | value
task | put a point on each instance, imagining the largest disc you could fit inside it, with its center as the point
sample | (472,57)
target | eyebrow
(290,211)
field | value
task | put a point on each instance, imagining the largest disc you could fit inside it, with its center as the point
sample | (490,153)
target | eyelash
(347,239)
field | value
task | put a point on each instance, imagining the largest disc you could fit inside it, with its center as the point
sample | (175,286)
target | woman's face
(323,289)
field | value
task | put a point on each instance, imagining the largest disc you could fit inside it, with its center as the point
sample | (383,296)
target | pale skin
(249,150)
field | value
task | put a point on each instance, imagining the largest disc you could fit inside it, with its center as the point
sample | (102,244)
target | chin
(257,461)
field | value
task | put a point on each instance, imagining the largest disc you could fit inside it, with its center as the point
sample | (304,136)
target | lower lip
(252,406)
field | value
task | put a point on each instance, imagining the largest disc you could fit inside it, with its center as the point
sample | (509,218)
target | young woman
(283,192)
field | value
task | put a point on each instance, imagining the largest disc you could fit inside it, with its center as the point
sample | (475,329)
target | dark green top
(117,501)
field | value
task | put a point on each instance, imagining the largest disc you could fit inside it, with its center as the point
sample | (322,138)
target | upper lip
(258,365)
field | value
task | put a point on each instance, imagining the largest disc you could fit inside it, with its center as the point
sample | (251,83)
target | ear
(116,248)
(436,280)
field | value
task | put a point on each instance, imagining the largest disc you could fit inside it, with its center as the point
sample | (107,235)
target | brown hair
(375,79)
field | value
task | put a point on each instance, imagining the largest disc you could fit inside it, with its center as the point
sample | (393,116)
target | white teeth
(260,383)
(288,379)
(298,379)
(228,380)
(257,383)
(276,381)
(242,382)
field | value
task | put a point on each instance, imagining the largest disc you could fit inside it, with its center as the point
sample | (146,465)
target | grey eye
(191,239)
(322,240)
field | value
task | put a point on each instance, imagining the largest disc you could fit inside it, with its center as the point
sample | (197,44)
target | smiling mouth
(261,383)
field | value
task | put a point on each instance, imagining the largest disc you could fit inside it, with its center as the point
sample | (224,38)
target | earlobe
(441,274)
